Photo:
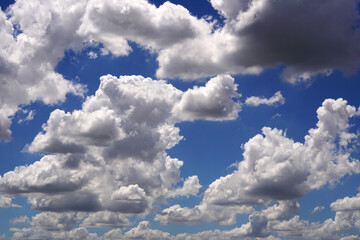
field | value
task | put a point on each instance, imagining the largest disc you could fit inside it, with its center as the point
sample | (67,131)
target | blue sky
(179,120)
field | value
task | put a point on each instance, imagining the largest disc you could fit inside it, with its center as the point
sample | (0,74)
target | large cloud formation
(277,169)
(103,185)
(106,162)
(255,35)
(109,157)
(260,33)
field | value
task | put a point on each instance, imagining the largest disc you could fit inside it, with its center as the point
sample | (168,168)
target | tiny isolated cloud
(277,115)
(29,115)
(318,209)
(92,55)
(275,100)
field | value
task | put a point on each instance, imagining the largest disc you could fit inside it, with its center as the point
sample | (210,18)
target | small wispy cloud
(22,219)
(276,99)
(318,209)
(29,116)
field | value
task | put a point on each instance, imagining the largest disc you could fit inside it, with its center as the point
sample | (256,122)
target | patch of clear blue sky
(209,147)
(5,3)
(198,8)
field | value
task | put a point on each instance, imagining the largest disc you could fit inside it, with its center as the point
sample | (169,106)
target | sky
(181,120)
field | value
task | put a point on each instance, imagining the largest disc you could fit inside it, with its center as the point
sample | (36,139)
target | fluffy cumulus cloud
(277,169)
(187,47)
(109,158)
(105,182)
(262,33)
(347,204)
(214,101)
(346,217)
(30,47)
(107,162)
(32,44)
(142,231)
(114,22)
(277,99)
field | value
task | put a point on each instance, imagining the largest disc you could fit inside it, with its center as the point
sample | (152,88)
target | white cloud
(187,47)
(6,202)
(110,155)
(92,55)
(22,219)
(214,101)
(141,22)
(143,231)
(347,204)
(191,186)
(51,221)
(352,237)
(275,168)
(318,209)
(28,58)
(105,219)
(277,99)
(35,233)
(245,44)
(30,116)
(108,158)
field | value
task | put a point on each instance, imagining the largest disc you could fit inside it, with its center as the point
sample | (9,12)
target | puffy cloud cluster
(347,216)
(115,22)
(214,101)
(31,45)
(142,231)
(107,161)
(347,204)
(187,47)
(277,169)
(294,227)
(108,158)
(92,188)
(260,33)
